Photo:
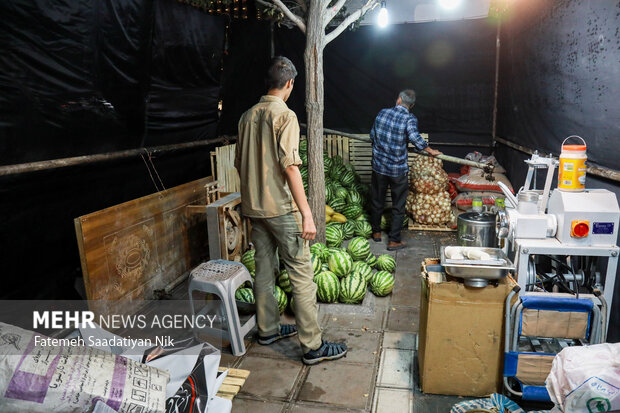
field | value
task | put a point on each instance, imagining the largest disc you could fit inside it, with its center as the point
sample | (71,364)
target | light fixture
(382,19)
(449,4)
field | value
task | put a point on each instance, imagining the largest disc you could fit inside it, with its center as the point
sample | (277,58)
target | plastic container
(572,173)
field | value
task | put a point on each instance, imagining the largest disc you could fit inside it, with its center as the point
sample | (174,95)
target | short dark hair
(281,70)
(407,97)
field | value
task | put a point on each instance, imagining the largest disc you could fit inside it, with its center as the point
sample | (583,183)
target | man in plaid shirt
(393,129)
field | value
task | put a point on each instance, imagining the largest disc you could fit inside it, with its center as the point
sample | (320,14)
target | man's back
(390,135)
(268,142)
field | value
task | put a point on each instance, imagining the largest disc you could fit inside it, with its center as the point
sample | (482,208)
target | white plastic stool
(222,278)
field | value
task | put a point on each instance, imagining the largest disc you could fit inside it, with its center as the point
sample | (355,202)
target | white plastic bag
(586,379)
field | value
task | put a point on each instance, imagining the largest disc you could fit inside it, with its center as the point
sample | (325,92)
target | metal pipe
(447,158)
(101,157)
(603,172)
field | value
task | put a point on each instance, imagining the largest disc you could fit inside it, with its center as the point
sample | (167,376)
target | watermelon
(329,193)
(337,160)
(333,236)
(363,229)
(336,171)
(406,222)
(304,158)
(386,263)
(348,229)
(327,164)
(362,268)
(354,197)
(371,260)
(245,295)
(325,267)
(352,211)
(304,173)
(281,298)
(291,305)
(317,262)
(358,248)
(337,204)
(382,283)
(320,250)
(340,263)
(352,289)
(303,145)
(347,178)
(341,192)
(284,282)
(247,259)
(328,287)
(386,222)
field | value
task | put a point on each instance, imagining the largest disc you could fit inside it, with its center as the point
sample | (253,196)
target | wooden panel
(132,249)
(226,173)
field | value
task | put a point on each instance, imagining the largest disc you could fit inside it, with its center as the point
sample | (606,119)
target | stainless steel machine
(557,237)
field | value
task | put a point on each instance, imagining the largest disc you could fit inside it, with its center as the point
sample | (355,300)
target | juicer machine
(579,226)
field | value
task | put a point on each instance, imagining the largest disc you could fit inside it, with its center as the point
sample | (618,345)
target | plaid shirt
(393,129)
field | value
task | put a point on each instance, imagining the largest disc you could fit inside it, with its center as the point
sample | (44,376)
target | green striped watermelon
(317,262)
(382,283)
(386,222)
(336,171)
(352,289)
(337,204)
(327,164)
(354,197)
(347,178)
(304,158)
(386,263)
(281,298)
(328,287)
(358,248)
(406,222)
(340,263)
(352,211)
(303,145)
(245,295)
(348,229)
(284,282)
(337,160)
(363,229)
(329,193)
(291,304)
(362,268)
(320,250)
(247,259)
(304,173)
(340,192)
(333,236)
(371,260)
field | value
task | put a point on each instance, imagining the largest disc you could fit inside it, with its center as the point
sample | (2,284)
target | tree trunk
(313,60)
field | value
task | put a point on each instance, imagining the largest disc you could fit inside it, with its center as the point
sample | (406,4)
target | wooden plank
(413,226)
(225,396)
(228,389)
(234,381)
(132,249)
(236,372)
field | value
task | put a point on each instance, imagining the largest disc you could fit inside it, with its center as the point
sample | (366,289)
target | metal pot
(476,230)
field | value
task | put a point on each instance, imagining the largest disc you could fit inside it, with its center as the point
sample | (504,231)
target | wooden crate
(413,226)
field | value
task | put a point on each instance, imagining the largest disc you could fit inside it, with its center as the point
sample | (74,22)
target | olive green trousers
(283,234)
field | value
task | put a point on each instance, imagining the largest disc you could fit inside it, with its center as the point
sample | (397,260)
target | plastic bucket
(572,173)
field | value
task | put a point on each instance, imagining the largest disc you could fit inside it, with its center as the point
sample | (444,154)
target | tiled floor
(378,374)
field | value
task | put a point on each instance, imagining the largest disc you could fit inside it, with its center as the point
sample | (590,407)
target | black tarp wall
(559,71)
(80,77)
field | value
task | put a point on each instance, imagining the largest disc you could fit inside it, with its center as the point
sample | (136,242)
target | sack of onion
(429,201)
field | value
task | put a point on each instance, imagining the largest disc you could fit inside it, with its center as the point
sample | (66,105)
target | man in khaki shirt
(273,197)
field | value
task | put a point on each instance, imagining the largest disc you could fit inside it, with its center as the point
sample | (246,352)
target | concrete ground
(378,374)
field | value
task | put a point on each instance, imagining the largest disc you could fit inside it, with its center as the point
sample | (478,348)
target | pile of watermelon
(341,274)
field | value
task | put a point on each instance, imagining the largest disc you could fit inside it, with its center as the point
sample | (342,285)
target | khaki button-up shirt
(268,144)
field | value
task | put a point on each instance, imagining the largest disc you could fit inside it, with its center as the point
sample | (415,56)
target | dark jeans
(378,188)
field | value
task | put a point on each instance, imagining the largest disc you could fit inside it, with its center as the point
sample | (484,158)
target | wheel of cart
(540,325)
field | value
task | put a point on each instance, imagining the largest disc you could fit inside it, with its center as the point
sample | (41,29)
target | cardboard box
(461,342)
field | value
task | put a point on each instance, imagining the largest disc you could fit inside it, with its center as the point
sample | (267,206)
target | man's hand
(433,152)
(309,230)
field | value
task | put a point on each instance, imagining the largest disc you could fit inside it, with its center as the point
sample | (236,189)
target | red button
(581,230)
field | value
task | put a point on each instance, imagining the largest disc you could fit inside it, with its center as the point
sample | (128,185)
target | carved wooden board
(130,250)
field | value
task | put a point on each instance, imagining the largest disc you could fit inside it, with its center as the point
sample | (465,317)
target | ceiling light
(449,4)
(382,19)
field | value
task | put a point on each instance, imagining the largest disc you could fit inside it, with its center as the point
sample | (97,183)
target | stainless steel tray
(476,275)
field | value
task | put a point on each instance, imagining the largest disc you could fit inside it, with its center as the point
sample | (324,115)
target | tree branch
(332,11)
(352,18)
(299,22)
